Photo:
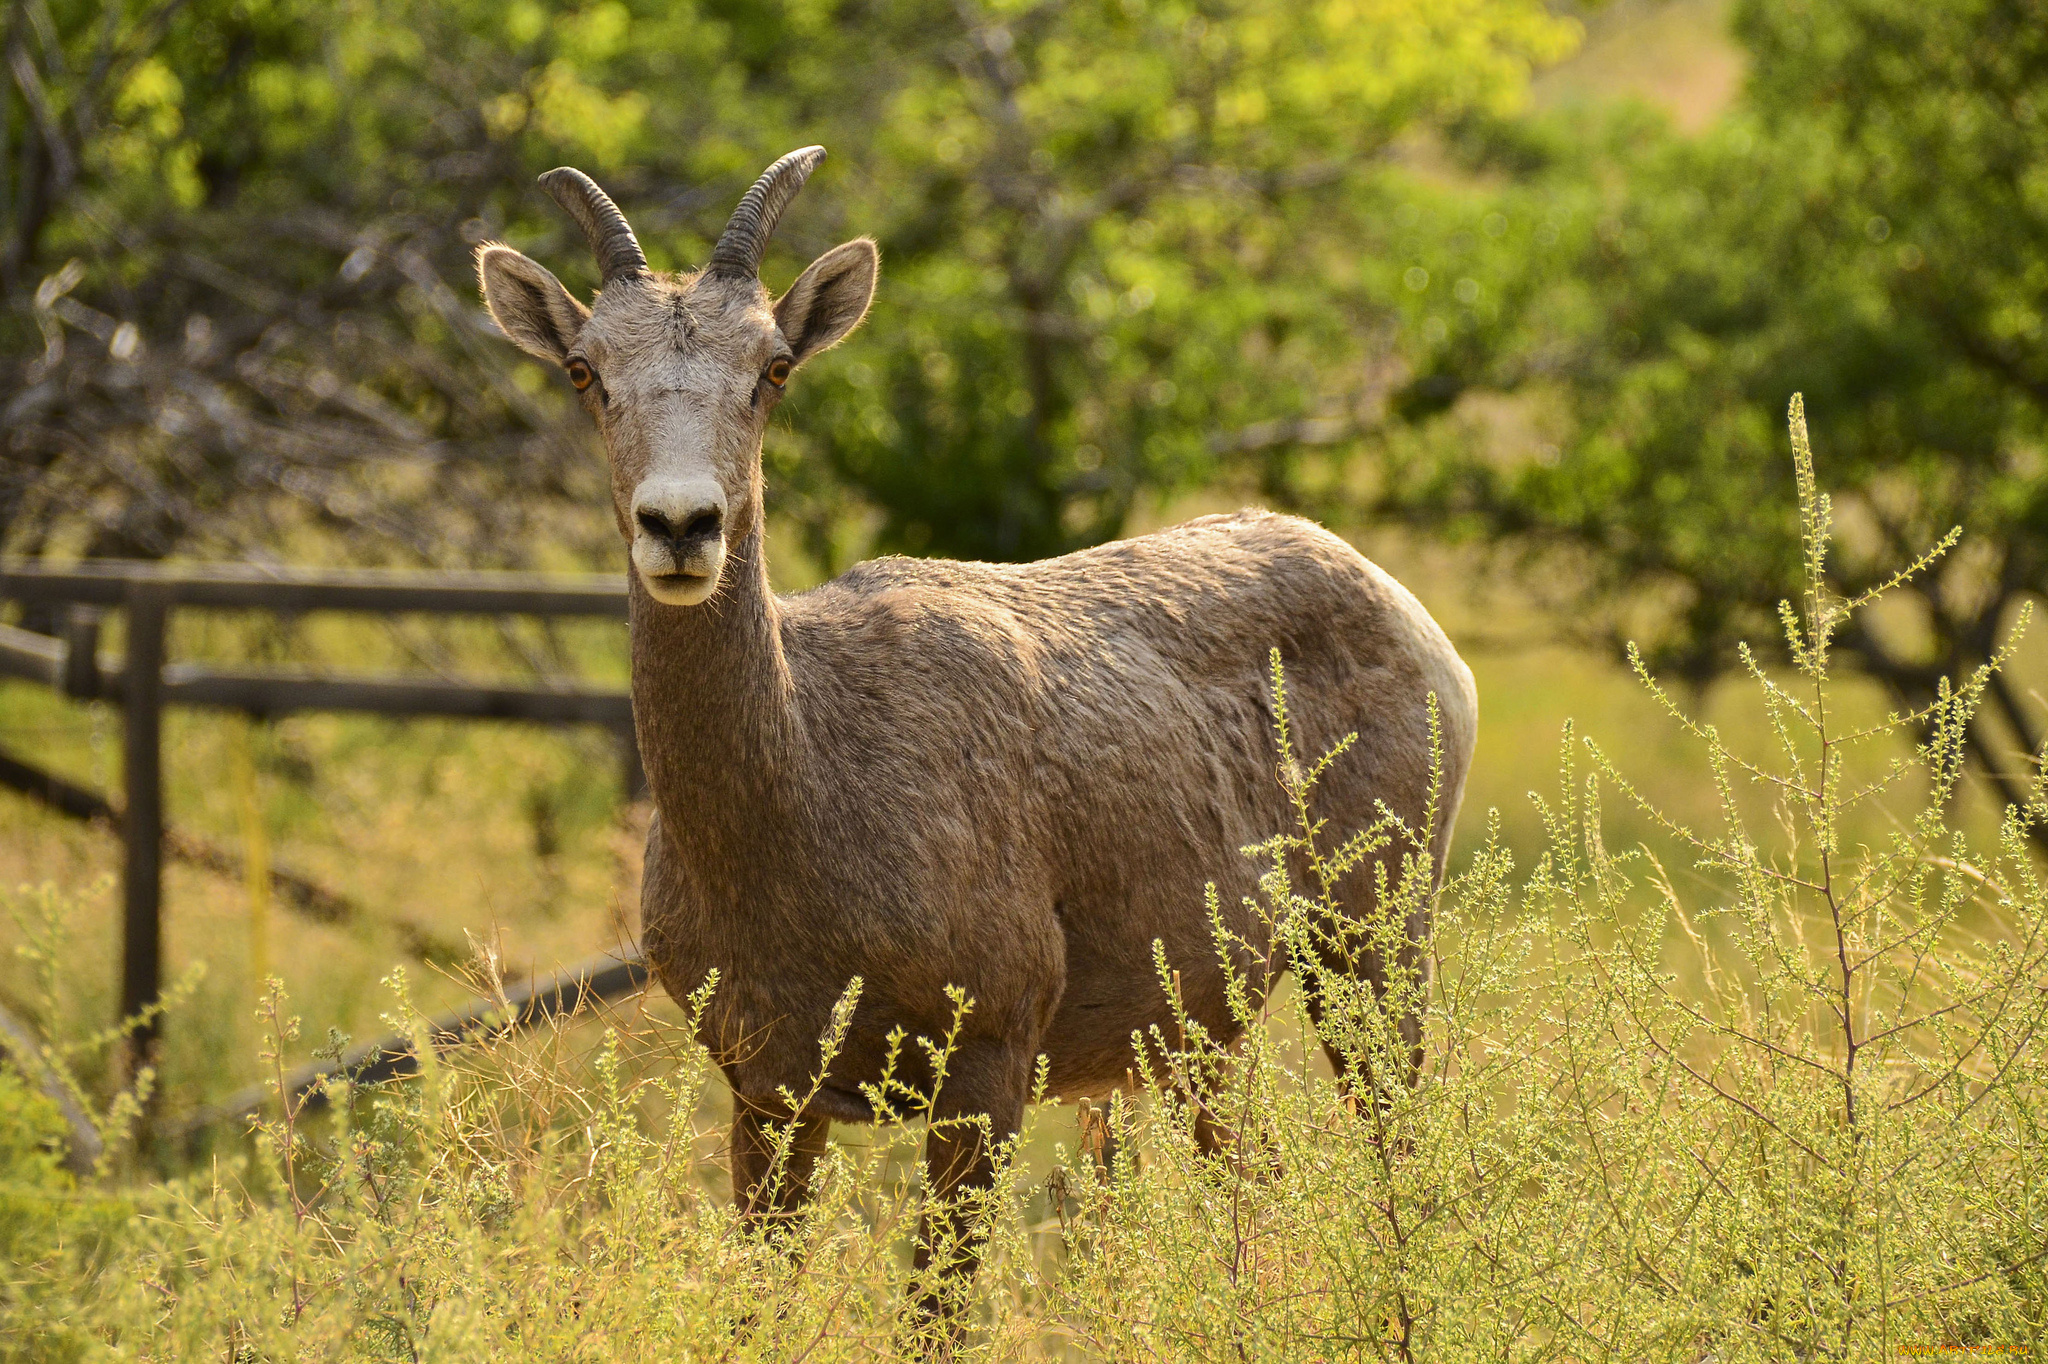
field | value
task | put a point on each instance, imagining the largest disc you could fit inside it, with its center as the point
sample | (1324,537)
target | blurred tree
(1112,231)
(234,240)
(1870,228)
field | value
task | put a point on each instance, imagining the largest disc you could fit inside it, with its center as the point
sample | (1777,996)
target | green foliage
(53,1232)
(1867,227)
(54,1235)
(235,264)
(1112,231)
(31,1142)
(1786,1104)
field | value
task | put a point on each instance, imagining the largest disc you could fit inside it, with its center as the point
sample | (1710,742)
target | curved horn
(604,227)
(745,239)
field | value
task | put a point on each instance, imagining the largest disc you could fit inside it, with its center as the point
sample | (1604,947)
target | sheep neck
(714,702)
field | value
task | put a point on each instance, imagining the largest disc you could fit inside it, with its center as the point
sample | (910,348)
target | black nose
(700,525)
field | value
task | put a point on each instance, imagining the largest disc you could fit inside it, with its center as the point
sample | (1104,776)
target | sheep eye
(778,370)
(580,373)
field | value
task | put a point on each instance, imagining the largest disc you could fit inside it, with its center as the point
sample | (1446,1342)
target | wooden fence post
(82,652)
(142,774)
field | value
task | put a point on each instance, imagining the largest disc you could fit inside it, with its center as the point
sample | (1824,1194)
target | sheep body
(1013,779)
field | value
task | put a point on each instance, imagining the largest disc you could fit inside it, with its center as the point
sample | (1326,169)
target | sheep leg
(1213,1136)
(978,1109)
(767,1195)
(1356,941)
(1363,1089)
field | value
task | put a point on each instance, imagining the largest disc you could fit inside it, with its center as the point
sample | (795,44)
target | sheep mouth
(680,589)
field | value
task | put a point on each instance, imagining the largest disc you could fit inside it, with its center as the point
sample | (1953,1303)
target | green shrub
(1788,1105)
(54,1235)
(31,1136)
(1781,1103)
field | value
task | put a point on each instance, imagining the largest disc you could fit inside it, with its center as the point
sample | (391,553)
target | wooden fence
(143,681)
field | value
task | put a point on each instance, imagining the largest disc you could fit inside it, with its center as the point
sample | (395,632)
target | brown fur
(1006,778)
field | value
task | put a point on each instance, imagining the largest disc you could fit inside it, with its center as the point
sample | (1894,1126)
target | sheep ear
(529,305)
(829,299)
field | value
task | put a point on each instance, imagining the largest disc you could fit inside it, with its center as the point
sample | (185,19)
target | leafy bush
(1858,227)
(1792,1110)
(55,1235)
(1113,233)
(1784,1103)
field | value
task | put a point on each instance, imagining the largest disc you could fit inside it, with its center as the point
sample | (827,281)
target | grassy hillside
(1674,54)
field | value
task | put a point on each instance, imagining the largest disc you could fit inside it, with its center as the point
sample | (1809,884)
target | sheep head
(680,372)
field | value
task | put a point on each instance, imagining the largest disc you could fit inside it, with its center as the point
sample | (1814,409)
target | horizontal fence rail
(275,692)
(142,682)
(33,657)
(557,995)
(383,591)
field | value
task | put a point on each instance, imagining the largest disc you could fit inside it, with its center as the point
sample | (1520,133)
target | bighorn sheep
(1011,779)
